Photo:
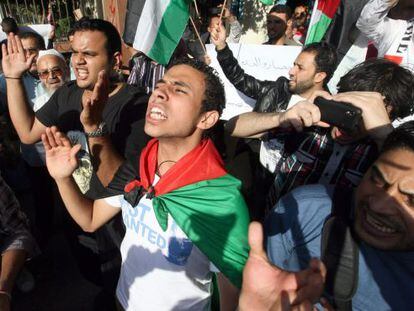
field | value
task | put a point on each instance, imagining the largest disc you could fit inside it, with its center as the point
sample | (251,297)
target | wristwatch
(101,131)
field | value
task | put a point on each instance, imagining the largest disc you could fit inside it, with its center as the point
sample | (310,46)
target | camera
(343,115)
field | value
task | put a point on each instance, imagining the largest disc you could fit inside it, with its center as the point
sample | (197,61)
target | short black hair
(40,42)
(9,25)
(325,58)
(281,8)
(113,39)
(401,138)
(214,94)
(394,82)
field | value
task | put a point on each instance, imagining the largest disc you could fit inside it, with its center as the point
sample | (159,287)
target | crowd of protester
(137,167)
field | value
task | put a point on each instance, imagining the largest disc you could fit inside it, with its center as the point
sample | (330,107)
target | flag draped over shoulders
(155,27)
(203,200)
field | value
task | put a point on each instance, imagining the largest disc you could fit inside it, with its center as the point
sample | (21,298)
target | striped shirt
(313,157)
(144,72)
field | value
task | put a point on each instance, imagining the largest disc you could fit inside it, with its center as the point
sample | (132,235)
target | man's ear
(208,120)
(319,77)
(117,60)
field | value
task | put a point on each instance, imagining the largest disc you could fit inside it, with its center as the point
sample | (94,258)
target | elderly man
(53,72)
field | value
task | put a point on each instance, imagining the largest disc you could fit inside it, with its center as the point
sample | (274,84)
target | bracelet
(6,294)
(14,78)
(101,131)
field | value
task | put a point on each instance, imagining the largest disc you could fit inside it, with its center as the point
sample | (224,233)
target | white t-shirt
(160,270)
(271,150)
(394,38)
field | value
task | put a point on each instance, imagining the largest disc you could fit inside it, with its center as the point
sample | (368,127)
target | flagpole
(196,9)
(222,9)
(198,35)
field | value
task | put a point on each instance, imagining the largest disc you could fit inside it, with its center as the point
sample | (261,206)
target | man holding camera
(310,72)
(315,152)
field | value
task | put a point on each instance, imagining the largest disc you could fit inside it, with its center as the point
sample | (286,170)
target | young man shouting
(185,217)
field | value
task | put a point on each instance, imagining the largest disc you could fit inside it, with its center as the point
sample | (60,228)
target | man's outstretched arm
(15,64)
(256,124)
(61,162)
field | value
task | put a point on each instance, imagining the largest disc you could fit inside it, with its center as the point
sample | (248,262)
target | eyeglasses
(55,72)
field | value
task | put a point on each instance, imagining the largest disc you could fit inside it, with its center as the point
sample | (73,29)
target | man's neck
(308,93)
(171,150)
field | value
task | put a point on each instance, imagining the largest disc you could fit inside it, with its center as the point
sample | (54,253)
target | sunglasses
(55,72)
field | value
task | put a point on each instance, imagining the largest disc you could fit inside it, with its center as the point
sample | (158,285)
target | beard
(276,33)
(301,87)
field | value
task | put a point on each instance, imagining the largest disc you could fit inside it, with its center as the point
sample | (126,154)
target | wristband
(101,131)
(6,294)
(14,78)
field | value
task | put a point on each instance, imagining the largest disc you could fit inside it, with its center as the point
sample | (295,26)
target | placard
(264,62)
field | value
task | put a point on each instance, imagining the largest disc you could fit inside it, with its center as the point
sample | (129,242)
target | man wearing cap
(53,72)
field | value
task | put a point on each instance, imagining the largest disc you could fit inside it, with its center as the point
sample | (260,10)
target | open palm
(14,62)
(60,155)
(267,287)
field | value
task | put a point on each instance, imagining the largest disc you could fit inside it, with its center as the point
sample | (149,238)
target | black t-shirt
(124,115)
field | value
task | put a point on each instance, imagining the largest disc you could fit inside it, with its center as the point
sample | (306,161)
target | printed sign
(264,62)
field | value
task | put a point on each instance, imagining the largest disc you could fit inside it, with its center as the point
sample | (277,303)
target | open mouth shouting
(157,113)
(82,73)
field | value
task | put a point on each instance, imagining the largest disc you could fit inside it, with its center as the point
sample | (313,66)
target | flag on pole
(267,2)
(322,15)
(155,27)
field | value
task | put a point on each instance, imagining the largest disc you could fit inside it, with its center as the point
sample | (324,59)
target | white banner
(41,29)
(264,62)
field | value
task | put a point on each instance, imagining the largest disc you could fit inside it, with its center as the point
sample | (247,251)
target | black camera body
(343,115)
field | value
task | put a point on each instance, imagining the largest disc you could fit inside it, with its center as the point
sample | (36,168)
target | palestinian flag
(155,27)
(323,12)
(204,201)
(267,2)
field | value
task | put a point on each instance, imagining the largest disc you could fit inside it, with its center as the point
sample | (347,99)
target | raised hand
(94,103)
(375,115)
(218,36)
(14,61)
(267,287)
(60,155)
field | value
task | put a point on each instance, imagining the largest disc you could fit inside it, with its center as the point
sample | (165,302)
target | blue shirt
(293,231)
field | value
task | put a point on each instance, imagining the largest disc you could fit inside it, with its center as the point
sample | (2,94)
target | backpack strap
(340,253)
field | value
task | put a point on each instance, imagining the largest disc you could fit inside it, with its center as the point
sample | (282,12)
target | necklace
(157,171)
